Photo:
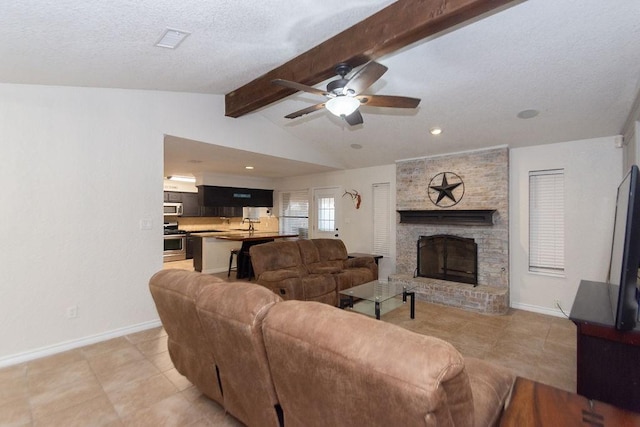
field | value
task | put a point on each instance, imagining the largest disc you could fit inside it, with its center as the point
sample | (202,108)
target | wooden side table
(376,258)
(537,404)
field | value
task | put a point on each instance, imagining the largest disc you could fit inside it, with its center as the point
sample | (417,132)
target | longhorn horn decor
(355,196)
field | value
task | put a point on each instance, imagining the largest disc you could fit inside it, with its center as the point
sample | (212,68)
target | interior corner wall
(82,170)
(593,171)
(355,224)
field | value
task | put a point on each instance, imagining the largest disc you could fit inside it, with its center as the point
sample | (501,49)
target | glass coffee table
(373,294)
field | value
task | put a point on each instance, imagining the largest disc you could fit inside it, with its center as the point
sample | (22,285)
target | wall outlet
(72,312)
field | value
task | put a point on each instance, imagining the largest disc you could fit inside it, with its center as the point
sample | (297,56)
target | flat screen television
(625,254)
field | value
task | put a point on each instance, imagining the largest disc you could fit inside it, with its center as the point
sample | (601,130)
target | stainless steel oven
(175,243)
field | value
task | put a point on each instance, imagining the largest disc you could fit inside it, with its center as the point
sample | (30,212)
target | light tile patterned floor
(130,381)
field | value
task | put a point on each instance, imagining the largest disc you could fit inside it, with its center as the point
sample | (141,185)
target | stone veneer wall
(486,179)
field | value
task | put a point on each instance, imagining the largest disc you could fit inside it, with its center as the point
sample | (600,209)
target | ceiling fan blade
(299,86)
(388,101)
(364,77)
(305,111)
(354,118)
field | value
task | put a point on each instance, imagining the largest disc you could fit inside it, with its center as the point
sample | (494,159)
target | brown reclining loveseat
(297,363)
(310,270)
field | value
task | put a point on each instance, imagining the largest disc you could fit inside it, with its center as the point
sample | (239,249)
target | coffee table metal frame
(378,292)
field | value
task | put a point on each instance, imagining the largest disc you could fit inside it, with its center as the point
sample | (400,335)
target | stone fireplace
(481,216)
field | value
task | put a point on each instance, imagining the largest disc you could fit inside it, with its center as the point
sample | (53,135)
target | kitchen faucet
(251,228)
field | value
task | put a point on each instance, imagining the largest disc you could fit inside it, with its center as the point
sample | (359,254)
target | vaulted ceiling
(574,61)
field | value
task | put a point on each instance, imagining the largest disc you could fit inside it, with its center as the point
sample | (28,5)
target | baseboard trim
(26,356)
(537,309)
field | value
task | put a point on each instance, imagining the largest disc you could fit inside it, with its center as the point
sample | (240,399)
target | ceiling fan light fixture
(342,105)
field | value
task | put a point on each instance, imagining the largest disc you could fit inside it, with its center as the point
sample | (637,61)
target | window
(546,221)
(326,214)
(294,213)
(381,219)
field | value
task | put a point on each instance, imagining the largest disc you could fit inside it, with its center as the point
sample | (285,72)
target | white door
(326,222)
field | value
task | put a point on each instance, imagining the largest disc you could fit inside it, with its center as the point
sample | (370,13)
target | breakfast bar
(212,254)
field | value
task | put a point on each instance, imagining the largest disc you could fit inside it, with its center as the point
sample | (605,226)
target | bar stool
(233,252)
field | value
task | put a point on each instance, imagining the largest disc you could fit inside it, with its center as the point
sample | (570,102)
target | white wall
(593,170)
(81,167)
(356,224)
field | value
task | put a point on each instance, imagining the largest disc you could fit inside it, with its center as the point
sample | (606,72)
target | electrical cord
(560,308)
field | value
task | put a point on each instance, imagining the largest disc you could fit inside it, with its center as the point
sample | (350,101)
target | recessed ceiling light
(171,38)
(356,146)
(528,114)
(435,131)
(248,167)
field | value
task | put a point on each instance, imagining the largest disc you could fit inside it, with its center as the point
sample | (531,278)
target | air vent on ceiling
(171,38)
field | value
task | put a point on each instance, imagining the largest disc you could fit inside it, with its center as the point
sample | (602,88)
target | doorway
(326,209)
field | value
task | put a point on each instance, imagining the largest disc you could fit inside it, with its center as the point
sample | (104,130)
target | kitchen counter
(213,249)
(253,235)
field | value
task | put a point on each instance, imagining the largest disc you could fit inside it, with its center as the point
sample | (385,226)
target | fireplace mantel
(447,217)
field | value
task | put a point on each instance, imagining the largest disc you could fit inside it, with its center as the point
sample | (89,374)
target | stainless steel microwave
(172,209)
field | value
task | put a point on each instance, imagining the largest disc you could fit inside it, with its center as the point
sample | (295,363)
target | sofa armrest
(365,261)
(491,386)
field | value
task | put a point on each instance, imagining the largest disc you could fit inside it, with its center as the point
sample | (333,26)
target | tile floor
(130,381)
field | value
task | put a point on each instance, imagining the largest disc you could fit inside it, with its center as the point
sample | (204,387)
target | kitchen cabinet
(213,196)
(190,206)
(226,211)
(172,196)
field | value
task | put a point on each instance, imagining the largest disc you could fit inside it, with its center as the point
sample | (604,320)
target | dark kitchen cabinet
(173,196)
(190,206)
(214,196)
(191,241)
(232,211)
(226,211)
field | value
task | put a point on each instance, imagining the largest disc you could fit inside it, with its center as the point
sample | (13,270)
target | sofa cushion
(490,386)
(232,319)
(308,251)
(348,378)
(331,249)
(274,256)
(175,293)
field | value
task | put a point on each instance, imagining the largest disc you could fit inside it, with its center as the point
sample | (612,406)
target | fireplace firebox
(448,257)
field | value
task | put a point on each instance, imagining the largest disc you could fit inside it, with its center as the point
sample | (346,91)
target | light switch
(146,224)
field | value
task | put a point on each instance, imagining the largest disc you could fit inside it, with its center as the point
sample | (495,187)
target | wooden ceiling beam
(392,28)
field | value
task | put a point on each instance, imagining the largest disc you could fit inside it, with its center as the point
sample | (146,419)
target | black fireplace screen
(448,258)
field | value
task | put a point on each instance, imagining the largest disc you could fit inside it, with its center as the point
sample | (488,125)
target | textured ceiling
(576,61)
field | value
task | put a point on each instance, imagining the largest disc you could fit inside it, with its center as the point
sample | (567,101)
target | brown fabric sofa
(215,340)
(310,270)
(175,294)
(302,363)
(337,368)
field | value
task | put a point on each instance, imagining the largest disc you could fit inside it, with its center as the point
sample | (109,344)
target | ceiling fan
(344,95)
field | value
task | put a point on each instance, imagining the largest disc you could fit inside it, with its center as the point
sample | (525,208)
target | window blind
(294,212)
(381,219)
(546,221)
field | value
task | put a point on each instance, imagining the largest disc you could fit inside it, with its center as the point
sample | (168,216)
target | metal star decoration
(445,189)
